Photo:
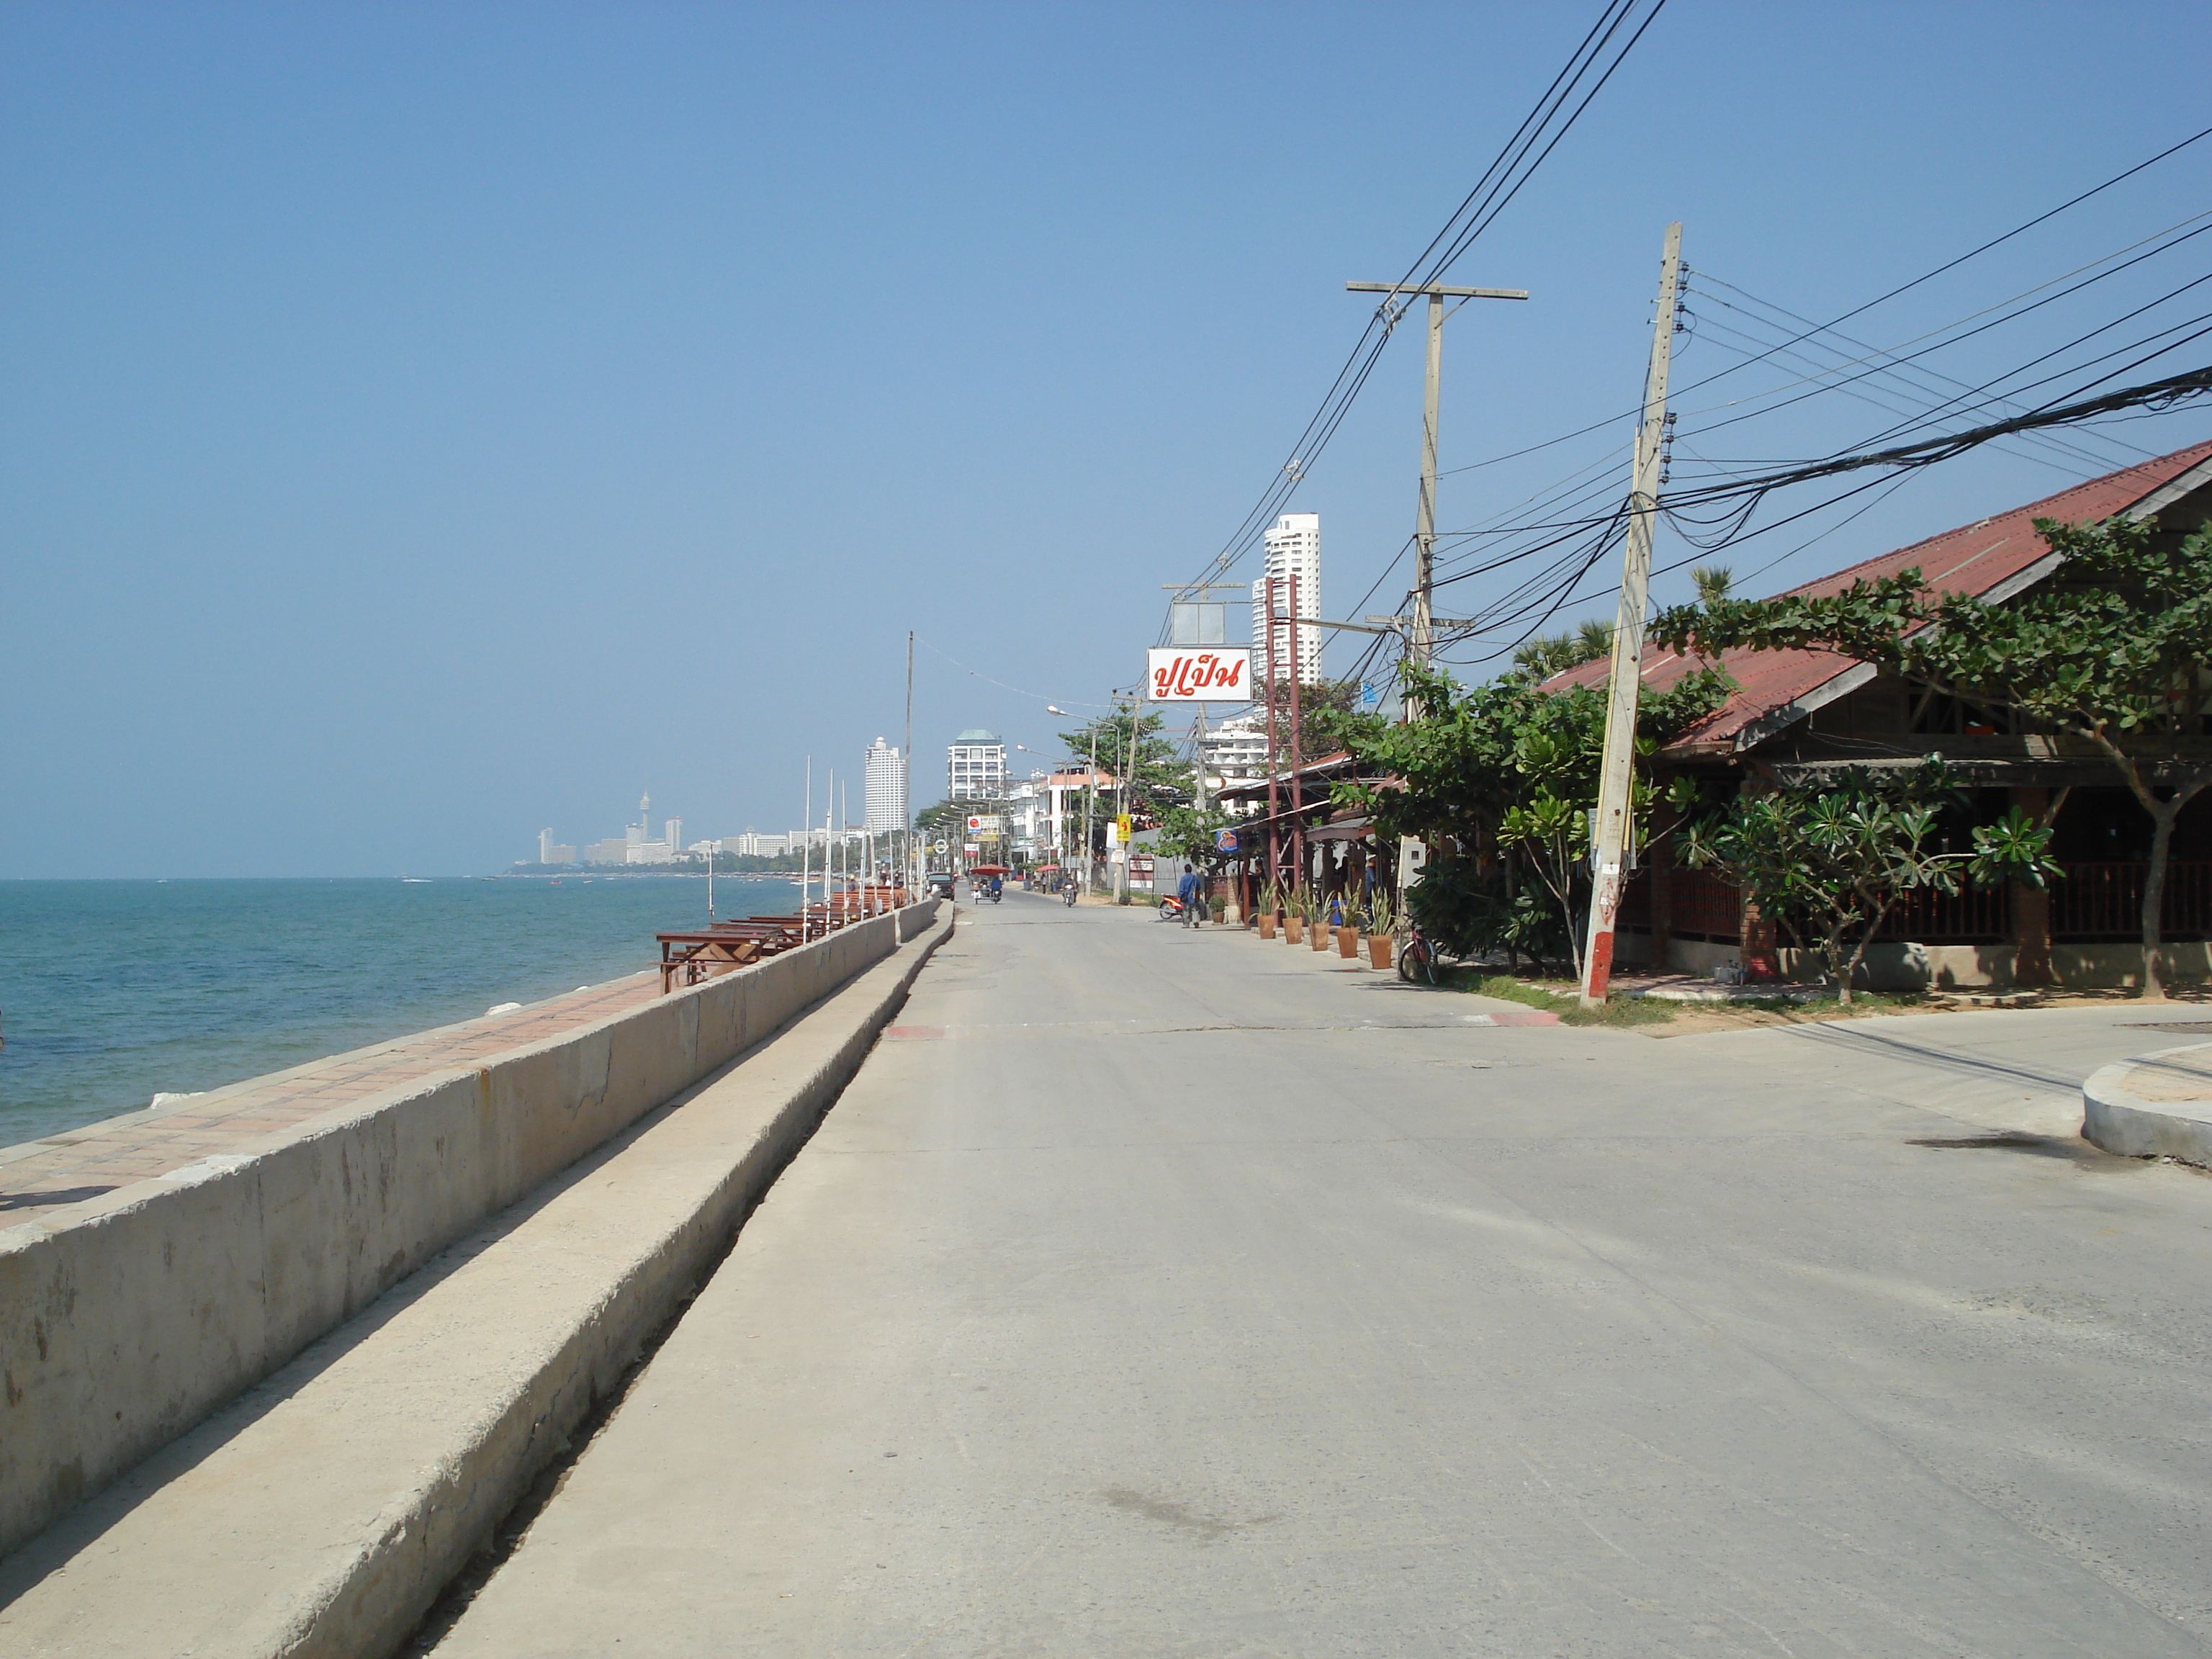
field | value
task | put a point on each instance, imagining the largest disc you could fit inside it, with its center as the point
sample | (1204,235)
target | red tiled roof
(1981,558)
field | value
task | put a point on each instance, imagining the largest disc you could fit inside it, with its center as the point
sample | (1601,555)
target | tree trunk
(1859,951)
(2161,838)
(1832,949)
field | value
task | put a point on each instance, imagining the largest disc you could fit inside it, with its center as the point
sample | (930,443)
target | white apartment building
(1292,548)
(886,791)
(1236,749)
(975,765)
(1028,816)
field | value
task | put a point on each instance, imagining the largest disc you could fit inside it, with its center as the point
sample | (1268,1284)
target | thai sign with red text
(1197,673)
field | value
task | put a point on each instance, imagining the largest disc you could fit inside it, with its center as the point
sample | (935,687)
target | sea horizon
(110,995)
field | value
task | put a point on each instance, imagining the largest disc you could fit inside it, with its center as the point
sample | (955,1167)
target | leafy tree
(1505,767)
(947,820)
(1329,717)
(2111,649)
(1128,744)
(1840,852)
(1187,832)
(1537,659)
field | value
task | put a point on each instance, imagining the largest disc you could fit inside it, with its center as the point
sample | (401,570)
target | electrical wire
(1903,287)
(1500,182)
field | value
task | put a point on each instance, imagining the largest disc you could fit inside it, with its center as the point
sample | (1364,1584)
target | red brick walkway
(39,1178)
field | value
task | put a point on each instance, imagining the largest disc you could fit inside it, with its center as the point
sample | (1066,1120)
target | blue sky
(425,424)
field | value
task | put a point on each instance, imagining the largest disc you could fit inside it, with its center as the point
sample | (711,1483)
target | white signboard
(983,823)
(1197,673)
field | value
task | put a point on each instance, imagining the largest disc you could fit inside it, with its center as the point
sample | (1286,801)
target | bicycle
(1416,957)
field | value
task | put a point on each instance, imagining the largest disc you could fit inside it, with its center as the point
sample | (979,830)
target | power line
(1902,287)
(1500,182)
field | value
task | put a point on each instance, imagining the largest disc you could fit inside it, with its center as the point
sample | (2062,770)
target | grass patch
(1566,1002)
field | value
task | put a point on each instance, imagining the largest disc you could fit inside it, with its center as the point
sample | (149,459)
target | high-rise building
(976,767)
(672,832)
(886,789)
(1293,549)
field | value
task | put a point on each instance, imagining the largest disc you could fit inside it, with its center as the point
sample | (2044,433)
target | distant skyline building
(1291,547)
(672,832)
(886,789)
(975,765)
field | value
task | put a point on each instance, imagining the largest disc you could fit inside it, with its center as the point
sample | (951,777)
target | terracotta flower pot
(1317,935)
(1347,943)
(1294,930)
(1378,951)
(1267,926)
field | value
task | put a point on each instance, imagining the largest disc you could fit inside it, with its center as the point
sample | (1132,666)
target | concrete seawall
(127,1319)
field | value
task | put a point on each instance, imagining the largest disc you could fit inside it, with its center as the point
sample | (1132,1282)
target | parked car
(940,884)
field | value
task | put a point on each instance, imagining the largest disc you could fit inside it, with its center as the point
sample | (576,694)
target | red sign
(1190,673)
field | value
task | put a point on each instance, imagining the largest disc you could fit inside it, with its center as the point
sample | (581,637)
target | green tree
(1187,832)
(2111,649)
(1129,746)
(1504,766)
(1839,852)
(1330,718)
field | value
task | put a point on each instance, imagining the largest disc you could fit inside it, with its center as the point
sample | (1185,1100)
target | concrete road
(1161,1293)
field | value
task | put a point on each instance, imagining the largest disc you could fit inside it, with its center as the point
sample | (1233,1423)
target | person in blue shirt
(1189,893)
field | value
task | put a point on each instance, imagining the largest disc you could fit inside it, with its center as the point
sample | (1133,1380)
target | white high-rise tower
(886,793)
(1293,549)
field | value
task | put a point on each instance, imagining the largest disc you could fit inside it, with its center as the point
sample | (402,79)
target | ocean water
(114,991)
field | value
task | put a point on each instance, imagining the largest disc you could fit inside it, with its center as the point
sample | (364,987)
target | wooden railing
(2089,903)
(1973,915)
(2104,901)
(1705,906)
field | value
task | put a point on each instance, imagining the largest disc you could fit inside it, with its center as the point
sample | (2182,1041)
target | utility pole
(1298,752)
(912,867)
(1617,773)
(1274,807)
(1420,639)
(1121,814)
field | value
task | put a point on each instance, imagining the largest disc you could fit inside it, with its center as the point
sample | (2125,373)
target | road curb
(321,1514)
(2121,1122)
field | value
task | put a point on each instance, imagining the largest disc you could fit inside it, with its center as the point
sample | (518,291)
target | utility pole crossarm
(1437,290)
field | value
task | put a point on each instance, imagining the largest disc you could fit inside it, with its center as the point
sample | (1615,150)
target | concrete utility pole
(1617,773)
(911,866)
(1420,639)
(1274,807)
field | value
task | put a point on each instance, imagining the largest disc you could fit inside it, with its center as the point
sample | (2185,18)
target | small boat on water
(416,881)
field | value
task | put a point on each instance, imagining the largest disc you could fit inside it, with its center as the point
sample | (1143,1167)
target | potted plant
(1317,928)
(1347,933)
(1382,930)
(1294,917)
(1271,906)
